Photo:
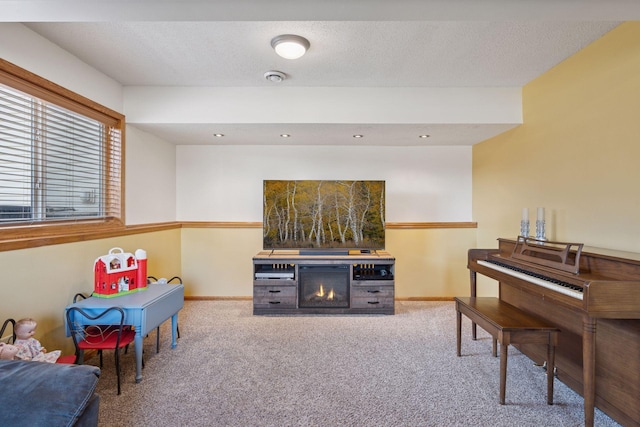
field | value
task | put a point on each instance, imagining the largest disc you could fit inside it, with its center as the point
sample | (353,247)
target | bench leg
(458,331)
(495,348)
(504,349)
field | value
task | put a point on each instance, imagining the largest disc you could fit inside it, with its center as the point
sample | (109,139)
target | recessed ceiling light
(358,136)
(424,136)
(218,135)
(290,46)
(285,135)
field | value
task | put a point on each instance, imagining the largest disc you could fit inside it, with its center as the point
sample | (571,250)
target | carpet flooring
(235,369)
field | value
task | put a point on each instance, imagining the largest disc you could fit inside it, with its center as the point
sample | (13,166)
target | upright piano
(593,298)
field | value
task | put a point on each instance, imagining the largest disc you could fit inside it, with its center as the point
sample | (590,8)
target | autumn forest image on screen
(323,214)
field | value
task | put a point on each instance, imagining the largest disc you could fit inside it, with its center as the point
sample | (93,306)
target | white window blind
(56,164)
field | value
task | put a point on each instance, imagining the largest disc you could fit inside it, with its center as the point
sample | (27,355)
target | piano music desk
(508,325)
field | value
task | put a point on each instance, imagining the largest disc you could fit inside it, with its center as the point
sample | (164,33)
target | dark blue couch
(48,394)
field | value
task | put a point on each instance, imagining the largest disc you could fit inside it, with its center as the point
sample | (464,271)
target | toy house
(120,273)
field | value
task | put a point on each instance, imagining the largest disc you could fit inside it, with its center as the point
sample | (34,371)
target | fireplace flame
(330,296)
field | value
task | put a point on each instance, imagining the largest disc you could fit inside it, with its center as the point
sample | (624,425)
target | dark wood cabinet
(285,282)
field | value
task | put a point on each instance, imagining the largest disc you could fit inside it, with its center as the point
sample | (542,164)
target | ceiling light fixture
(218,135)
(290,46)
(275,76)
(358,136)
(424,136)
(285,135)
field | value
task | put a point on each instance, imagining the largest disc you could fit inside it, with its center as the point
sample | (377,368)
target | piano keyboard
(546,282)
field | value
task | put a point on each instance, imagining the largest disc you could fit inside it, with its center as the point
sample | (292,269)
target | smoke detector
(275,76)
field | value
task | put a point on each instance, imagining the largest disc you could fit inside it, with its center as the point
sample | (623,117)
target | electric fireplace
(323,286)
(360,282)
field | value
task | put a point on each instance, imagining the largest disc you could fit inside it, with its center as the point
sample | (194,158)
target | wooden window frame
(59,232)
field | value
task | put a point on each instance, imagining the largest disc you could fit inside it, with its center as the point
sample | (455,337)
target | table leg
(174,330)
(138,348)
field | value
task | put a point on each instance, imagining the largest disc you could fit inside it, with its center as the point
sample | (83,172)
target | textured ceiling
(352,45)
(364,54)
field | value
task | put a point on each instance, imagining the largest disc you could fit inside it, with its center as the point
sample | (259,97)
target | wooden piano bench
(508,325)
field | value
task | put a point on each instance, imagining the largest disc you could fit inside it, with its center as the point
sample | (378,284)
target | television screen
(313,215)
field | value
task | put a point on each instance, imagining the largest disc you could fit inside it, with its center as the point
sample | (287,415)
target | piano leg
(504,353)
(589,368)
(551,356)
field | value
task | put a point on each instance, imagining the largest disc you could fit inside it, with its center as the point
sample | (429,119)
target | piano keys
(595,302)
(537,279)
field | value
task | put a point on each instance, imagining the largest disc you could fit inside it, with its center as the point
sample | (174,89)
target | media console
(287,282)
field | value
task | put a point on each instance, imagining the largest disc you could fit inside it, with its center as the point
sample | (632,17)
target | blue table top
(140,299)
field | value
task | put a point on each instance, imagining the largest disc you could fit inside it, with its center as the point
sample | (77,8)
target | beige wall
(217,261)
(40,282)
(429,262)
(576,154)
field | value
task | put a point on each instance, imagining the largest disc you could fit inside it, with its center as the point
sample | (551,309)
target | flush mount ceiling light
(275,76)
(290,46)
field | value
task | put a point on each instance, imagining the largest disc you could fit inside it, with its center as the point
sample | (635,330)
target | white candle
(525,214)
(540,214)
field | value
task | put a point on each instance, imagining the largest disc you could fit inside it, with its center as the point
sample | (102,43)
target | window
(60,154)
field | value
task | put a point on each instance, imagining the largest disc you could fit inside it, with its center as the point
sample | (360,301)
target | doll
(8,351)
(30,348)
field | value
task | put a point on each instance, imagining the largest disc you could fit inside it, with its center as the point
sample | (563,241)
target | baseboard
(245,298)
(217,298)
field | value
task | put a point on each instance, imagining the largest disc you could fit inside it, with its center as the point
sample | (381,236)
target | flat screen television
(323,215)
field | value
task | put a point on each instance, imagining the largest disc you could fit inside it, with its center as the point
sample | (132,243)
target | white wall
(150,162)
(224,183)
(330,105)
(150,178)
(25,48)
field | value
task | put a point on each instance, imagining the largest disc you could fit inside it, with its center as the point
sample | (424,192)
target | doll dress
(31,349)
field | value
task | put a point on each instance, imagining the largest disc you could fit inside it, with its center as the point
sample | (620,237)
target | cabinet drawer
(372,297)
(275,282)
(275,296)
(373,283)
(372,292)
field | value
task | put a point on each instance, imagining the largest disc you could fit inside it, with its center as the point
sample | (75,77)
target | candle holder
(540,233)
(524,228)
